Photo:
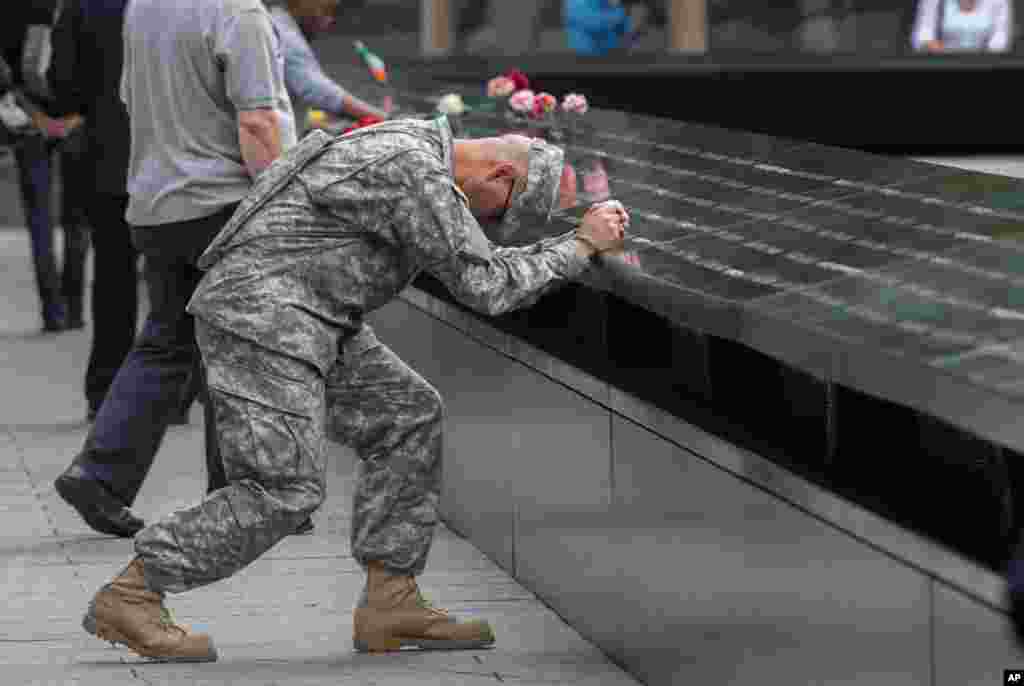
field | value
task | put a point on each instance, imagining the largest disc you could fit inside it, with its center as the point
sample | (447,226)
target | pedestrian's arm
(246,46)
(259,136)
(68,81)
(307,81)
(999,41)
(44,123)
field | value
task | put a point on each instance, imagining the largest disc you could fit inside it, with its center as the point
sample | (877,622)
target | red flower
(518,78)
(538,110)
(362,123)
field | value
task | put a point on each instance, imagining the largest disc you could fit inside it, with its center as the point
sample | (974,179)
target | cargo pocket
(269,427)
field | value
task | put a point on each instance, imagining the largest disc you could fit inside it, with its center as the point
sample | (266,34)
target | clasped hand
(604,226)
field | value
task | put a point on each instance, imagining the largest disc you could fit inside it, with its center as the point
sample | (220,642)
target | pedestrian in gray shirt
(203,84)
(332,231)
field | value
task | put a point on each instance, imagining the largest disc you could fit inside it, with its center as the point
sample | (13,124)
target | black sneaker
(100,510)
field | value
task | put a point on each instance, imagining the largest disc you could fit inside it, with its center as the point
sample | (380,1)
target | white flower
(451,104)
(576,103)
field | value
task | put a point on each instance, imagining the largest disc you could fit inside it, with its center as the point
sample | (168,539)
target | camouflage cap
(535,202)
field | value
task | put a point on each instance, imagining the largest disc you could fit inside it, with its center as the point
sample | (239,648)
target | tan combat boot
(392,614)
(125,611)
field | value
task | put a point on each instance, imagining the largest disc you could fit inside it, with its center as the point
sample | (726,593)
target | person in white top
(963,25)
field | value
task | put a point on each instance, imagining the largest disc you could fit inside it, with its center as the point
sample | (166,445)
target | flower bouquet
(511,93)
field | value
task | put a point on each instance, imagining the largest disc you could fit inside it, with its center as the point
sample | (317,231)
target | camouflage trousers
(274,414)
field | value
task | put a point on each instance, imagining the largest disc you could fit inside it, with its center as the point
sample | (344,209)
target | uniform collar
(444,127)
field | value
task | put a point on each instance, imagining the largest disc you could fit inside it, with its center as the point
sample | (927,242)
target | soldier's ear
(503,170)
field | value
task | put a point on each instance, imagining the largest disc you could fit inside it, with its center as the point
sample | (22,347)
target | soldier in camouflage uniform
(334,230)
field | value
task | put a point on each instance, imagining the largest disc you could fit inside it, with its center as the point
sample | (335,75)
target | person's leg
(33,158)
(131,423)
(134,416)
(74,185)
(193,390)
(107,474)
(392,418)
(269,411)
(115,294)
(269,415)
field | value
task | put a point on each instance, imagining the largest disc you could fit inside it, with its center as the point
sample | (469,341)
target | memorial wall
(853,317)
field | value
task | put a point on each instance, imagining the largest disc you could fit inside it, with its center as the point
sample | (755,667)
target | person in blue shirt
(593,27)
(297,23)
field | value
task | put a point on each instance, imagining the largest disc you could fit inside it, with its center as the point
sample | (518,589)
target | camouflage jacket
(337,227)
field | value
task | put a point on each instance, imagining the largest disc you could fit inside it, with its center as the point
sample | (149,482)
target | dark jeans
(76,193)
(34,157)
(115,293)
(149,386)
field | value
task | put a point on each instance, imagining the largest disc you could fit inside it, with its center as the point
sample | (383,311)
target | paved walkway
(285,620)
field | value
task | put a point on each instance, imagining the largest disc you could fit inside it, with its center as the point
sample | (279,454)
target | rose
(522,101)
(519,79)
(451,104)
(575,103)
(500,87)
(537,111)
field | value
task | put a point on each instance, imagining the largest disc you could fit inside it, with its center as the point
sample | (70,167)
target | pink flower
(575,103)
(522,101)
(500,87)
(537,112)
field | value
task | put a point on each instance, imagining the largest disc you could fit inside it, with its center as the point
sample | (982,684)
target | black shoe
(100,510)
(305,528)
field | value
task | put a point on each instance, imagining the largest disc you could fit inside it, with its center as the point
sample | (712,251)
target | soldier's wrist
(587,248)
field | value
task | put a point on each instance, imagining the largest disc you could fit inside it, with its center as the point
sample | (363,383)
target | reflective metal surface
(973,644)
